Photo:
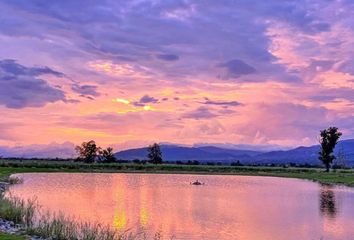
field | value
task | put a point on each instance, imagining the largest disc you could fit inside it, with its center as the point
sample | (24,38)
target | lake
(226,207)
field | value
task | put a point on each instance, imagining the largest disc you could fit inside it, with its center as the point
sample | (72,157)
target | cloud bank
(250,72)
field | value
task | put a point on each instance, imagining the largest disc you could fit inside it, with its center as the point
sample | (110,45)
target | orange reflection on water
(144,215)
(226,207)
(120,218)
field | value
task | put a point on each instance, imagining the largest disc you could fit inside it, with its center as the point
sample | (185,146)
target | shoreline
(249,174)
(340,177)
(8,229)
(3,186)
(336,178)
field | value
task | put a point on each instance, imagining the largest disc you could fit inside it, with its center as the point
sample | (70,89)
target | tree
(107,155)
(88,151)
(155,154)
(328,140)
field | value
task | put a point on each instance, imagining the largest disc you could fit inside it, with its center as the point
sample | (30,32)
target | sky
(129,73)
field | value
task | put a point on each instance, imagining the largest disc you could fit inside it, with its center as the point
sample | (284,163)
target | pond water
(225,207)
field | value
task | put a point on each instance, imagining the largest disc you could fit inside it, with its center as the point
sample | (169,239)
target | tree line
(89,152)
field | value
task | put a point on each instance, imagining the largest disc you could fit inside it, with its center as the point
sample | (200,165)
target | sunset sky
(133,72)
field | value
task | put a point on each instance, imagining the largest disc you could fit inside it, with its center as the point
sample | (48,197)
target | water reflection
(226,207)
(120,218)
(144,215)
(328,205)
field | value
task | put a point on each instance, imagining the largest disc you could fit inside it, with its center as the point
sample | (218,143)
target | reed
(17,210)
(27,214)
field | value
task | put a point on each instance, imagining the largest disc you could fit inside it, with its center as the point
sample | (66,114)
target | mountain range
(224,153)
(203,154)
(52,150)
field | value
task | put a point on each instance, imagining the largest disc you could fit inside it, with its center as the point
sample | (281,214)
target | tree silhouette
(328,140)
(88,151)
(155,154)
(107,155)
(328,205)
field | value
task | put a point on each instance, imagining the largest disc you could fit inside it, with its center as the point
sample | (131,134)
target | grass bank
(339,176)
(4,236)
(28,220)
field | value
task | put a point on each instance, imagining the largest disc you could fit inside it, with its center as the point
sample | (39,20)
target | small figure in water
(197,183)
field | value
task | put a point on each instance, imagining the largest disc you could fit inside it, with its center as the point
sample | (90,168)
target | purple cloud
(347,66)
(167,57)
(86,90)
(135,31)
(235,68)
(186,46)
(221,103)
(321,65)
(148,99)
(330,95)
(11,67)
(145,100)
(20,86)
(199,113)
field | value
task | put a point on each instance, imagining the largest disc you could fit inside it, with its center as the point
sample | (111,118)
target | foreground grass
(34,222)
(4,236)
(343,177)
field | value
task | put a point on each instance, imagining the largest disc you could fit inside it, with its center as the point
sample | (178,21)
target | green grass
(17,210)
(8,167)
(57,226)
(4,236)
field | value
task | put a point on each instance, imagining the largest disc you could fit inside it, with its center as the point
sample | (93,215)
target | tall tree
(88,151)
(155,154)
(107,155)
(328,140)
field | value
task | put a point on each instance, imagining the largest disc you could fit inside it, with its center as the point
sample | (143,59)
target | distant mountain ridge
(299,155)
(52,150)
(179,153)
(201,153)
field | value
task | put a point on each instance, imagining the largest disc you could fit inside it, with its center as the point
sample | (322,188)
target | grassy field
(344,177)
(4,236)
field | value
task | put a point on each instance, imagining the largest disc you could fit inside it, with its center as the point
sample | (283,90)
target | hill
(299,155)
(202,154)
